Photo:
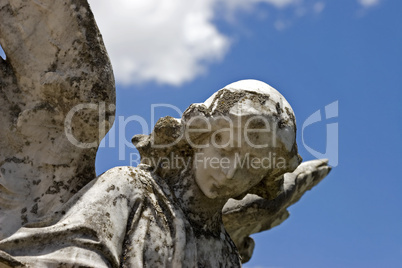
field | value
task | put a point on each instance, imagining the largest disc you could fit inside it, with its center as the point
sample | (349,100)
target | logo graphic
(331,150)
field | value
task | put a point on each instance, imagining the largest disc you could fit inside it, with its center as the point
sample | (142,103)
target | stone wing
(57,93)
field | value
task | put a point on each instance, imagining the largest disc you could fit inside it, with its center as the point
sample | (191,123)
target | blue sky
(315,53)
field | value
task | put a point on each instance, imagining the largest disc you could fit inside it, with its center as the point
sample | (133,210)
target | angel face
(229,166)
(226,165)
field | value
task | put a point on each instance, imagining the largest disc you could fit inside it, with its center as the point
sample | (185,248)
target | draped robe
(127,217)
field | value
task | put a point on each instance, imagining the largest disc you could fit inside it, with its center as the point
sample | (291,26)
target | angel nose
(230,171)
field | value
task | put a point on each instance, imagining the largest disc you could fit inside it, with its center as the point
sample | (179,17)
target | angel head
(240,140)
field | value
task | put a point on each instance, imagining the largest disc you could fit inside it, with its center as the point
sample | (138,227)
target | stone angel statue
(236,167)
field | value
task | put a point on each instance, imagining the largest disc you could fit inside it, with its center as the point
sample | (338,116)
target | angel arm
(255,214)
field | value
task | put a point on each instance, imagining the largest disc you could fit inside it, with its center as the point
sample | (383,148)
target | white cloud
(369,3)
(168,42)
(165,41)
(319,7)
(242,4)
(281,25)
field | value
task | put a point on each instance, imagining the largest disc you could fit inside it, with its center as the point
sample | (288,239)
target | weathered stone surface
(255,214)
(125,218)
(55,61)
(57,94)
